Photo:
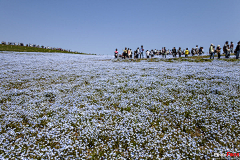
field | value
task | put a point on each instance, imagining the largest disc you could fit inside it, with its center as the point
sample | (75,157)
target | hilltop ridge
(20,47)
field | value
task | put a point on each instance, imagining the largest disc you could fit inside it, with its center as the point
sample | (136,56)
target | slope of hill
(17,48)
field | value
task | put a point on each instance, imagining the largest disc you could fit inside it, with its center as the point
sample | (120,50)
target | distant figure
(164,52)
(228,51)
(211,51)
(197,50)
(147,54)
(141,51)
(125,53)
(200,51)
(179,52)
(167,52)
(231,47)
(128,53)
(152,53)
(135,54)
(193,51)
(155,52)
(218,51)
(186,52)
(225,49)
(138,52)
(116,53)
(238,50)
(174,52)
(131,54)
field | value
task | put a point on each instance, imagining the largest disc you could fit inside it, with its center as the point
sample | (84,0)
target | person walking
(192,51)
(211,50)
(231,47)
(152,53)
(129,53)
(141,51)
(238,50)
(218,51)
(135,54)
(138,52)
(197,50)
(179,52)
(186,52)
(200,51)
(225,49)
(164,52)
(147,54)
(214,51)
(155,52)
(174,52)
(116,53)
(167,53)
(125,53)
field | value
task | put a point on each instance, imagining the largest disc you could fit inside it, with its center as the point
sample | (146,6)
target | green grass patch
(16,48)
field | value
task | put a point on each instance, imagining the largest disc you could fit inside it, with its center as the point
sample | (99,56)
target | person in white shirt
(152,53)
(155,52)
(138,52)
(147,54)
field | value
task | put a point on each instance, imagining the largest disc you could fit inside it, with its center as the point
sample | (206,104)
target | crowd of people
(227,50)
(139,52)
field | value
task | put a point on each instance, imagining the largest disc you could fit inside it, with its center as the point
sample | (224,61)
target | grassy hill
(31,49)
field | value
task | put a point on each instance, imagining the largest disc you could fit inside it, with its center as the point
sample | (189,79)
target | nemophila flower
(103,109)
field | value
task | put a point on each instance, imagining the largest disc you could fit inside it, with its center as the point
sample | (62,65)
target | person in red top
(116,53)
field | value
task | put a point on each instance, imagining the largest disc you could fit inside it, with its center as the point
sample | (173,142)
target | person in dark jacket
(174,52)
(200,51)
(238,50)
(231,47)
(192,51)
(179,52)
(225,49)
(116,53)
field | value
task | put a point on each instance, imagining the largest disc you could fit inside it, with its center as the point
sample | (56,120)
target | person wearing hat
(211,51)
(238,50)
(218,50)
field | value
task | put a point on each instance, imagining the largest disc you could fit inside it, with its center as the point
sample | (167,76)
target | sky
(101,26)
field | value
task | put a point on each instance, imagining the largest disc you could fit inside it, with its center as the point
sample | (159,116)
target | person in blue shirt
(141,51)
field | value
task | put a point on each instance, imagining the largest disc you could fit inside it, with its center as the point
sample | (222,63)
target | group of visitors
(227,50)
(194,51)
(139,52)
(128,53)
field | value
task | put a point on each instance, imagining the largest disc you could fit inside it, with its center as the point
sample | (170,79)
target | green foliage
(16,48)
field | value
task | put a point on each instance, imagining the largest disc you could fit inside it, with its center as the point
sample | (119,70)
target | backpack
(224,48)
